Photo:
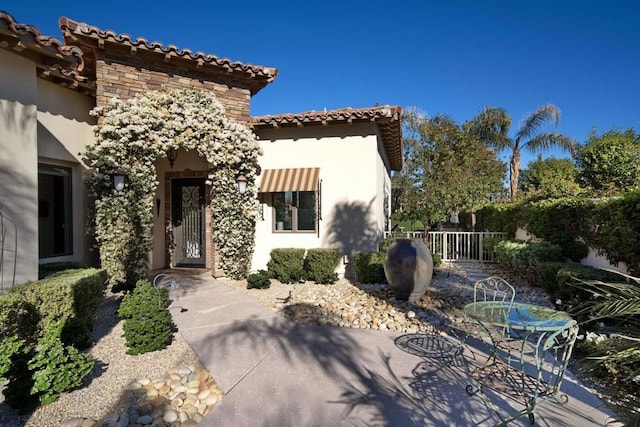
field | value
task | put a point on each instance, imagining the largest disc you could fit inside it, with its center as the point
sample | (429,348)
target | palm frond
(531,123)
(491,126)
(547,140)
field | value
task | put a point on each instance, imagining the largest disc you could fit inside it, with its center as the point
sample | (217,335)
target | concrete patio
(278,373)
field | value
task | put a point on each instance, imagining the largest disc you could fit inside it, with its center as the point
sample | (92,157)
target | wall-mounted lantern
(172,156)
(241,181)
(118,179)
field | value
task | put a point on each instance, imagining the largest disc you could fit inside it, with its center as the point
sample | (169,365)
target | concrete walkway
(278,373)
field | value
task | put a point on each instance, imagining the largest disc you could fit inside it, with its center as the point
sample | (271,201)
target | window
(54,211)
(294,211)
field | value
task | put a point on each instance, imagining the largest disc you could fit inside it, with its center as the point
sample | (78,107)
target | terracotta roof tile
(388,118)
(260,76)
(54,61)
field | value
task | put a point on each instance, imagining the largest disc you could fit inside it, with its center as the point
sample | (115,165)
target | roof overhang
(54,61)
(90,39)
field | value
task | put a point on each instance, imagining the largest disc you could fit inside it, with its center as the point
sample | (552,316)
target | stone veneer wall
(126,76)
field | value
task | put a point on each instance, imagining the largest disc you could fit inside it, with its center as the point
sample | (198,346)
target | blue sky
(451,57)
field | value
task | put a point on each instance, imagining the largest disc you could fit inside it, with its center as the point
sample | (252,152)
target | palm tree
(492,125)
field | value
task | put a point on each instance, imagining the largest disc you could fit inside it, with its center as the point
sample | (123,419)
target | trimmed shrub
(259,280)
(73,296)
(46,270)
(320,265)
(148,324)
(287,264)
(370,267)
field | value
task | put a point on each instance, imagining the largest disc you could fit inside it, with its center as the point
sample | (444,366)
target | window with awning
(295,195)
(292,179)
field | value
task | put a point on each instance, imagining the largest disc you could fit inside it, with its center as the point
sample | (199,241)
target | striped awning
(295,179)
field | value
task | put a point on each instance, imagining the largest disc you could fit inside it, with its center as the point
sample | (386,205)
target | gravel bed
(374,306)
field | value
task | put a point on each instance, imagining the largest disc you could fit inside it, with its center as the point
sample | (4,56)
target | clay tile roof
(257,75)
(388,118)
(54,60)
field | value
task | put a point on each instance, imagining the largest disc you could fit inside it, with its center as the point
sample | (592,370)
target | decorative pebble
(170,416)
(73,422)
(145,419)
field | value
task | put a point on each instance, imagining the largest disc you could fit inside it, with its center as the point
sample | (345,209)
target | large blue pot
(409,268)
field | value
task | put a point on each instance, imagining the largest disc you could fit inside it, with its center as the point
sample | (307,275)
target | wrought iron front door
(188,220)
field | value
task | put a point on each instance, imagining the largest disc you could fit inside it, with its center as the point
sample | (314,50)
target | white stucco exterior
(40,123)
(18,168)
(353,175)
(64,129)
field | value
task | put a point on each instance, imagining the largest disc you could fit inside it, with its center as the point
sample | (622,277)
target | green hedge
(18,318)
(47,269)
(287,264)
(555,279)
(518,256)
(609,225)
(73,296)
(320,265)
(370,267)
(505,217)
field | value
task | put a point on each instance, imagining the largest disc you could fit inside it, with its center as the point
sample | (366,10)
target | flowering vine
(131,135)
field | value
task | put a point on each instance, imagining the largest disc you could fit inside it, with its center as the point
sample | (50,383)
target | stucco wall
(351,193)
(18,167)
(64,129)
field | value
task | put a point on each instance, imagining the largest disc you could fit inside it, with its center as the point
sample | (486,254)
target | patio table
(528,358)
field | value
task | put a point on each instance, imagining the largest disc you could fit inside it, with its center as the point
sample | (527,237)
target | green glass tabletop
(520,316)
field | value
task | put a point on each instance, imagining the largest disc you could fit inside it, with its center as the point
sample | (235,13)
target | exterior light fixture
(241,181)
(172,156)
(118,179)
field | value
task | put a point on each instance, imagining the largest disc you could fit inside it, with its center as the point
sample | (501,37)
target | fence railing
(454,245)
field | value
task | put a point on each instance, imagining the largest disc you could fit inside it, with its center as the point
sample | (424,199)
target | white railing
(454,245)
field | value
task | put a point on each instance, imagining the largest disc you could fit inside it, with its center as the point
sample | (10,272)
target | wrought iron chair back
(493,288)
